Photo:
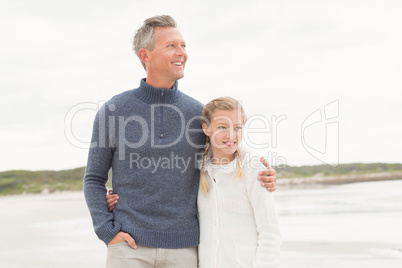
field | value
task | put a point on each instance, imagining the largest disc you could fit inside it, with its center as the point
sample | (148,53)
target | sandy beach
(352,225)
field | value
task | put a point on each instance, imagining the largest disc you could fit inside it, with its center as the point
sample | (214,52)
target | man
(150,137)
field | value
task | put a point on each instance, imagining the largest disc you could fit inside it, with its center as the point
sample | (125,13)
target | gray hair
(145,38)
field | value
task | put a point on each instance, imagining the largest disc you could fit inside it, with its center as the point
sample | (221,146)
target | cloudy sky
(322,77)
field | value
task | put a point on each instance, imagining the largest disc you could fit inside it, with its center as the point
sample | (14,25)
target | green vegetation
(23,181)
(340,170)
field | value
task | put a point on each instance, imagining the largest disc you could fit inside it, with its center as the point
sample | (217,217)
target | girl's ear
(143,55)
(206,129)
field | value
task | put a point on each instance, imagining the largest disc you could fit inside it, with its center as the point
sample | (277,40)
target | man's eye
(183,46)
(222,127)
(238,128)
(171,45)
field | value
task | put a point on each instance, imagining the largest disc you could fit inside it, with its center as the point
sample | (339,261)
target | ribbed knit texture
(238,220)
(148,137)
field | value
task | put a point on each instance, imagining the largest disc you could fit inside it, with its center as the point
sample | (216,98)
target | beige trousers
(121,255)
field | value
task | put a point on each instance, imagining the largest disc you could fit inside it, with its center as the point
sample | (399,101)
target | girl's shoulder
(250,161)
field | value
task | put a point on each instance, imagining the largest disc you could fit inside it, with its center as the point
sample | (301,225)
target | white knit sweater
(238,220)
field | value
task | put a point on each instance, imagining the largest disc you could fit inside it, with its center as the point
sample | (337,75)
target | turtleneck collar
(150,94)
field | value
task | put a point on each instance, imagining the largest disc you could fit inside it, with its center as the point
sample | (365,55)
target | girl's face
(225,133)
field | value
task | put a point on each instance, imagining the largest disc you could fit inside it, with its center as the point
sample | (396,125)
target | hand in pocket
(123,237)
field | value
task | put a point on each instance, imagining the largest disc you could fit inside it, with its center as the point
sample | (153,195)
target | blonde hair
(223,103)
(145,38)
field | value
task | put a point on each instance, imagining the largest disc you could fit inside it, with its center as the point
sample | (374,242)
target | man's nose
(180,51)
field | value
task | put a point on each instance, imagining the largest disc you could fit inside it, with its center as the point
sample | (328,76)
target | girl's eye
(238,128)
(222,127)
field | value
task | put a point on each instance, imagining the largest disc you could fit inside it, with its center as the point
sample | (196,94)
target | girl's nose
(231,134)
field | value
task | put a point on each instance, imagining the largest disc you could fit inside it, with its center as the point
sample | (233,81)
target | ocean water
(352,225)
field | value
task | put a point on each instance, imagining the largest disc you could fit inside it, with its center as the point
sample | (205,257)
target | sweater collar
(228,168)
(150,94)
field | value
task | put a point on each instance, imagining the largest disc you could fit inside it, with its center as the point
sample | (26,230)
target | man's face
(169,56)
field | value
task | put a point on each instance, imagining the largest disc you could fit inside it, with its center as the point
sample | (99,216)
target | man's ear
(206,129)
(143,54)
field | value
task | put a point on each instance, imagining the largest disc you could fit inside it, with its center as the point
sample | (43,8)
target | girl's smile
(225,132)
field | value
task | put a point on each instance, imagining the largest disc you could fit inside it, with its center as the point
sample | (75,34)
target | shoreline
(329,227)
(283,183)
(321,181)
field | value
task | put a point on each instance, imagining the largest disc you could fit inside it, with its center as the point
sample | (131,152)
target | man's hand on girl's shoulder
(268,176)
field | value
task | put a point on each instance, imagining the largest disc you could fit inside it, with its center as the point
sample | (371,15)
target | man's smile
(178,63)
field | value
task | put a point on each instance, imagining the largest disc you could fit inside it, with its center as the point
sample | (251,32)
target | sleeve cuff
(108,231)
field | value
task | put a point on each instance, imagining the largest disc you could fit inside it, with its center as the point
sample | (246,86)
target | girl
(238,221)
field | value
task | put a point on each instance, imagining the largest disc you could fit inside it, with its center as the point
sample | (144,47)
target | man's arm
(268,176)
(96,175)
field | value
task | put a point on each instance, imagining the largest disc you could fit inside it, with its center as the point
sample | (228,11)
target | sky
(319,80)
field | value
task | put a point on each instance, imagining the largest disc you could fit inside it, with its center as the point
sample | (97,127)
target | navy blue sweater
(150,139)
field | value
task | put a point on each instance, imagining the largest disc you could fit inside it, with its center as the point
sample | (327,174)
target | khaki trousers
(121,255)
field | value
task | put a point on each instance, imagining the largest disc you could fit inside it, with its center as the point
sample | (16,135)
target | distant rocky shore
(15,182)
(308,182)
